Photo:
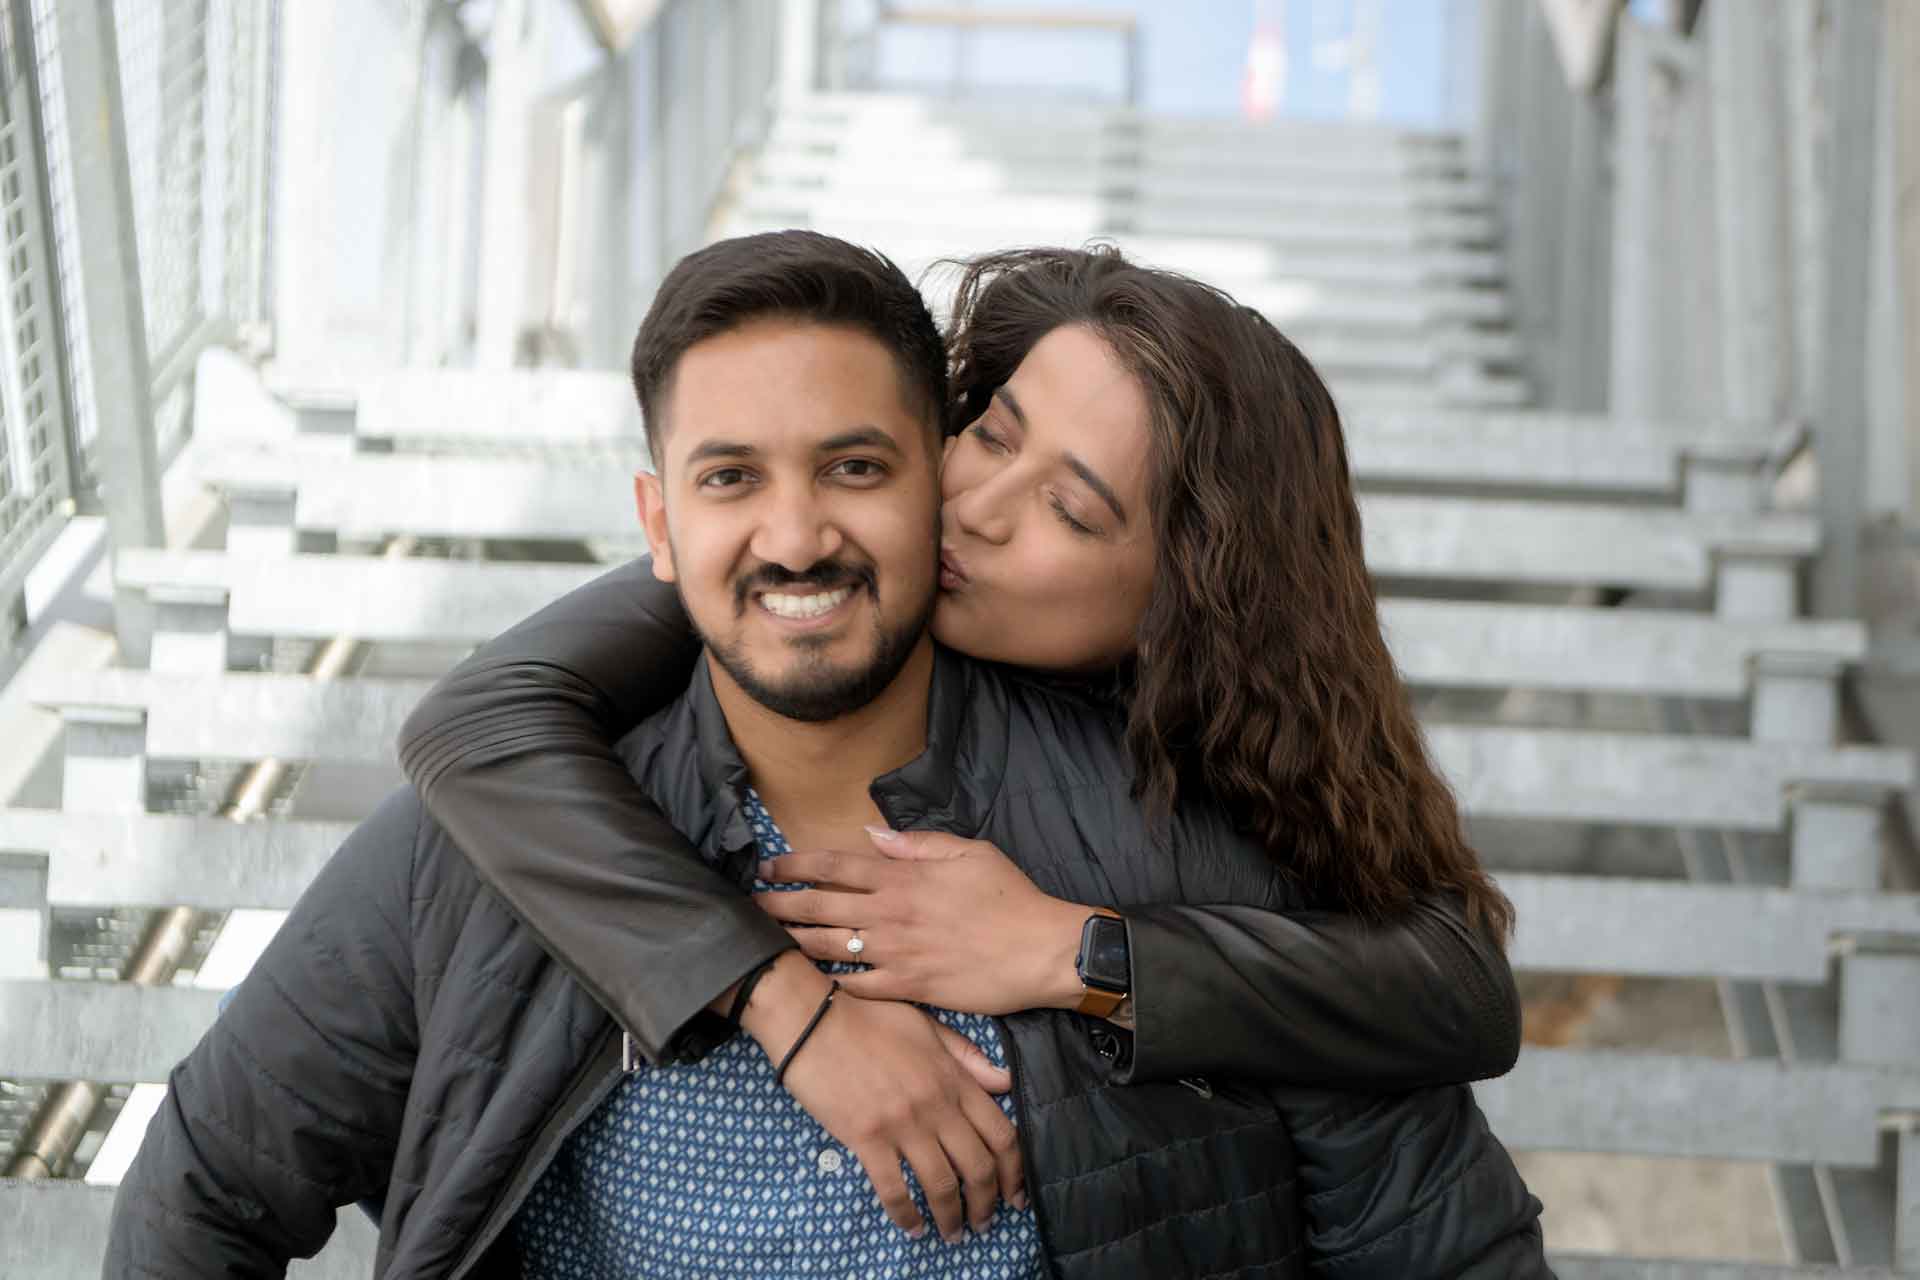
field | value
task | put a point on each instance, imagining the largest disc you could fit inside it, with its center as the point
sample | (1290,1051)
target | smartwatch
(1104,966)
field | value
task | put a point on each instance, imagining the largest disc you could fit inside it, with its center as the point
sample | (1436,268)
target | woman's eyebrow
(1006,397)
(1099,486)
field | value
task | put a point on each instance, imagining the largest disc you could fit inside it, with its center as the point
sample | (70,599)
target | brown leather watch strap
(1094,1002)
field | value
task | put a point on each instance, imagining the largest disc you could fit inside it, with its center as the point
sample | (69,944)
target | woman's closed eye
(987,436)
(1072,521)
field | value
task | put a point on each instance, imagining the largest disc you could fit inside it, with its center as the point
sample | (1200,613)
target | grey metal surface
(1645,779)
(246,716)
(878,124)
(1160,182)
(162,48)
(35,484)
(1675,929)
(361,596)
(58,1231)
(107,1032)
(478,404)
(1002,221)
(1571,1266)
(50,82)
(1530,541)
(152,860)
(443,497)
(1656,652)
(1852,46)
(1667,1105)
(107,245)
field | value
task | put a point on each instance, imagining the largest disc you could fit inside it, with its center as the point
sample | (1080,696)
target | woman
(1185,538)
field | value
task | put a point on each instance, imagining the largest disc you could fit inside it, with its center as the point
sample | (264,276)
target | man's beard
(816,690)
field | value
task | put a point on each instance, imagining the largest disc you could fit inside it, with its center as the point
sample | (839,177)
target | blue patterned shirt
(711,1169)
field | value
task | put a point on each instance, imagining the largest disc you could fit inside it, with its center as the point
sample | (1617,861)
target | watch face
(1104,962)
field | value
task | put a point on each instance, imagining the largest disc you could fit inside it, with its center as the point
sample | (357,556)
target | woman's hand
(942,921)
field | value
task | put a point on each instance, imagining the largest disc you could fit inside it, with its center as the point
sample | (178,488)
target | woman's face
(1047,544)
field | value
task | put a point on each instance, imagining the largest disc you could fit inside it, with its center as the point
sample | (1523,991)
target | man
(405,1040)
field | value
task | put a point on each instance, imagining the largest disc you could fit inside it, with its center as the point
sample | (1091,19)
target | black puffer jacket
(1240,992)
(1199,1175)
(405,1039)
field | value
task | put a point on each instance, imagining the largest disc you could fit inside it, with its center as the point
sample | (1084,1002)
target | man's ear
(651,500)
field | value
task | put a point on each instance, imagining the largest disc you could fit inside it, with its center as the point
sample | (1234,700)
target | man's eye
(723,478)
(858,469)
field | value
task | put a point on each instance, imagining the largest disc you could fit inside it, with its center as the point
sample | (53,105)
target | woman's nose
(985,510)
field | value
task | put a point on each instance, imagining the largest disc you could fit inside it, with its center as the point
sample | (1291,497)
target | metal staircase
(1599,617)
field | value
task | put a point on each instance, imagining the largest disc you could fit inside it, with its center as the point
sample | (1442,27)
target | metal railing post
(1841,400)
(116,322)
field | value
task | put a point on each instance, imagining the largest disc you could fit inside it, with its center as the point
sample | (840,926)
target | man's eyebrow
(1099,486)
(1006,397)
(720,449)
(858,438)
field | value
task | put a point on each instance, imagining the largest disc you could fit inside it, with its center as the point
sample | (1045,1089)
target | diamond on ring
(856,944)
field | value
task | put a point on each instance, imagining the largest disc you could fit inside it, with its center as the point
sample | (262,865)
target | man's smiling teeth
(804,606)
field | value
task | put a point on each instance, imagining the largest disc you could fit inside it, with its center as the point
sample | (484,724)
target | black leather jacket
(1238,995)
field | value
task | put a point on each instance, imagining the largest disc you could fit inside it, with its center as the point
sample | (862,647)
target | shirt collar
(942,787)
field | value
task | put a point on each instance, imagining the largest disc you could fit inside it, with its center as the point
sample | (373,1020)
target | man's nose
(797,531)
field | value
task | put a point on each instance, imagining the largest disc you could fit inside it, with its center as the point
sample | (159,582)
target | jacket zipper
(1024,1107)
(1023,1101)
(589,1088)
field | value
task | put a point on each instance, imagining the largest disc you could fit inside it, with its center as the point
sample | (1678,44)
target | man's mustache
(827,575)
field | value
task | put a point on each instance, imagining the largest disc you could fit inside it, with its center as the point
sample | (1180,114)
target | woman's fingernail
(883,833)
(766,869)
(1020,1201)
(918,1233)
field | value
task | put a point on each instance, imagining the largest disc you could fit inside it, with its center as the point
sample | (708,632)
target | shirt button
(830,1161)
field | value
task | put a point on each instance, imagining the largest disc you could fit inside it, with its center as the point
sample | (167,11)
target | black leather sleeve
(1319,998)
(290,1104)
(512,753)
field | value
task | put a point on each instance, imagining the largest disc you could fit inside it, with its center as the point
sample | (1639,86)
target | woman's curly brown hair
(1261,676)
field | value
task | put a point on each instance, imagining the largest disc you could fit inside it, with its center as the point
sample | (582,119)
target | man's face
(796,505)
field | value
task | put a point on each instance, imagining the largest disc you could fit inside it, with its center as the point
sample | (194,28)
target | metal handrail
(1040,18)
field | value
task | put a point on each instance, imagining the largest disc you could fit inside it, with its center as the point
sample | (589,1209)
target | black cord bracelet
(744,992)
(780,1072)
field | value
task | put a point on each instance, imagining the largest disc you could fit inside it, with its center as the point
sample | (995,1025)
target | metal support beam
(1903,69)
(116,323)
(1855,31)
(1744,64)
(515,62)
(1906,1221)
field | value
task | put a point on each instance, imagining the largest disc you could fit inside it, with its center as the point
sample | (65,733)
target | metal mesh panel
(53,119)
(163,89)
(239,47)
(33,463)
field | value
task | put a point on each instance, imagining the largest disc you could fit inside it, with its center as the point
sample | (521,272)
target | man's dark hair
(797,275)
